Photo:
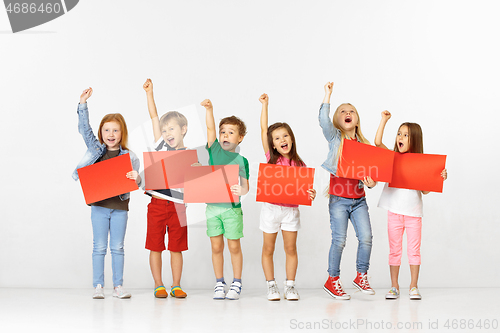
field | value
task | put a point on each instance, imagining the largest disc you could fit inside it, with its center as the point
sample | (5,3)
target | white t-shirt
(401,201)
(174,194)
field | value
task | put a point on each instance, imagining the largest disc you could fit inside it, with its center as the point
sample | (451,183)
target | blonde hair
(343,136)
(117,118)
(174,115)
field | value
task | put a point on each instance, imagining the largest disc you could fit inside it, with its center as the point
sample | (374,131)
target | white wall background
(431,62)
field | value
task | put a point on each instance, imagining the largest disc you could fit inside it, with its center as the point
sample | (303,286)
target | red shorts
(163,216)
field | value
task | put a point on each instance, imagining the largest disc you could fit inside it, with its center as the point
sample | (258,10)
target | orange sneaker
(177,292)
(160,292)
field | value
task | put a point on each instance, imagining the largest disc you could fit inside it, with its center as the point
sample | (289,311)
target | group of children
(167,211)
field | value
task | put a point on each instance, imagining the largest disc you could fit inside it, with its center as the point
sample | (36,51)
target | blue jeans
(341,210)
(114,222)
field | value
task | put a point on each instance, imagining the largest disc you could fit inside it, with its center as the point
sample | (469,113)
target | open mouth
(401,145)
(170,141)
(348,119)
(226,143)
(284,146)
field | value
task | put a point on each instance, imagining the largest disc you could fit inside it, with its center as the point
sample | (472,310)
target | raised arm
(148,87)
(328,92)
(84,127)
(86,95)
(264,99)
(329,131)
(386,115)
(211,132)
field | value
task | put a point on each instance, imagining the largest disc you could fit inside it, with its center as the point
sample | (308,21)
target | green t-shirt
(219,156)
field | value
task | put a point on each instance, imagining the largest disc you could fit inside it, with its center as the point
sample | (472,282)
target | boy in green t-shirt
(226,218)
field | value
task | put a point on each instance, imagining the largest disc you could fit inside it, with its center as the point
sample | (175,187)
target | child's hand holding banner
(360,160)
(166,169)
(411,171)
(282,184)
(418,172)
(211,184)
(106,179)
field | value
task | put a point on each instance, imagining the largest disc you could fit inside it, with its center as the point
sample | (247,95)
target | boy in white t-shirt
(166,211)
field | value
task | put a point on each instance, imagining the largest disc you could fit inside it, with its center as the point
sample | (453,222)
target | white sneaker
(290,292)
(392,294)
(98,292)
(234,291)
(273,293)
(220,290)
(121,293)
(415,294)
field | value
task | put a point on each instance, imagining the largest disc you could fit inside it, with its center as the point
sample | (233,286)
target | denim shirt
(95,150)
(334,138)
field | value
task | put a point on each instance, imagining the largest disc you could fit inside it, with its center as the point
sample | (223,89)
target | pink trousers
(396,225)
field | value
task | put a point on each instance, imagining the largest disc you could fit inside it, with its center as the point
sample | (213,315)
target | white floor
(74,310)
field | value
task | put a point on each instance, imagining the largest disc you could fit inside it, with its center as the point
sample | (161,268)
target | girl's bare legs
(292,260)
(394,276)
(268,254)
(414,271)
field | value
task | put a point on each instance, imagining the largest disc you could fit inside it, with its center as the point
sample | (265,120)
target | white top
(174,194)
(401,201)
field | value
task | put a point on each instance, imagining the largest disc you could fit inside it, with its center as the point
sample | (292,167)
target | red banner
(106,179)
(282,184)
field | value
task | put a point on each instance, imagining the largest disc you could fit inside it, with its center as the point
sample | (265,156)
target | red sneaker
(333,286)
(361,282)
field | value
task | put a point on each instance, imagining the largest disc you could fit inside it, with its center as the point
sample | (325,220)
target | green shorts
(224,221)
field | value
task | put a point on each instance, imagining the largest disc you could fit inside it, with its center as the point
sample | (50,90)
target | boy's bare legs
(394,276)
(176,262)
(268,255)
(155,264)
(414,271)
(218,255)
(292,260)
(234,247)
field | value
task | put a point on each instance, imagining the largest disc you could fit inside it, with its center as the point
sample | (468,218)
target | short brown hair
(177,116)
(242,129)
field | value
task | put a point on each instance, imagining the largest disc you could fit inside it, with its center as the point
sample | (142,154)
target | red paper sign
(106,179)
(165,169)
(360,160)
(211,184)
(418,172)
(284,184)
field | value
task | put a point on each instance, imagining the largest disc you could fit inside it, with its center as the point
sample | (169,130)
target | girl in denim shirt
(404,209)
(108,216)
(347,198)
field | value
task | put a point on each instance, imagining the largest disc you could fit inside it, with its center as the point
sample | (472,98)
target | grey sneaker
(273,293)
(121,293)
(234,291)
(98,292)
(393,293)
(290,292)
(220,290)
